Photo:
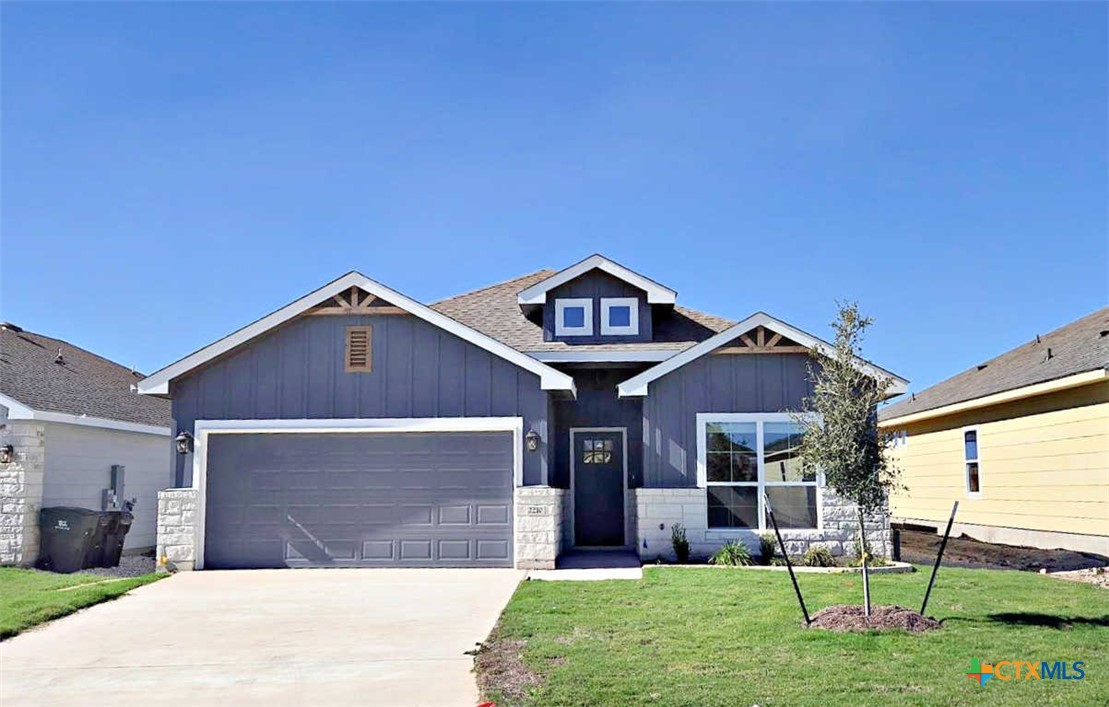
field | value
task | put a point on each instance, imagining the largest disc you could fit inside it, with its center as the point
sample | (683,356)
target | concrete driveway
(267,637)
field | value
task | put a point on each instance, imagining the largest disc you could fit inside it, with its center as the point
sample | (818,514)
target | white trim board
(612,356)
(656,293)
(573,475)
(19,411)
(203,428)
(638,386)
(158,383)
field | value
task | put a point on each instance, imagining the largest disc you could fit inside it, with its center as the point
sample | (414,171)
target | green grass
(734,637)
(30,597)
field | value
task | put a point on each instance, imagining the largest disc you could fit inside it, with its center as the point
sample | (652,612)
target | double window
(970,461)
(741,457)
(619,316)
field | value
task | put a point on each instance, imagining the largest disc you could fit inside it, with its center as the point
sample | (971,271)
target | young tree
(844,441)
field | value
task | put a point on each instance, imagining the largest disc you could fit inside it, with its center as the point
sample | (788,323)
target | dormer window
(574,317)
(619,316)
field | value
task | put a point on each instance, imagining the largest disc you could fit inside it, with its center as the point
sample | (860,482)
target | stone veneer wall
(177,520)
(658,509)
(541,513)
(21,482)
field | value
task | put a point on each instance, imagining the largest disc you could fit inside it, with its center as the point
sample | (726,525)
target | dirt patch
(921,547)
(1096,576)
(501,671)
(882,618)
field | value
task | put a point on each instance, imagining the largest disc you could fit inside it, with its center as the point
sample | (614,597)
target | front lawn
(734,637)
(31,597)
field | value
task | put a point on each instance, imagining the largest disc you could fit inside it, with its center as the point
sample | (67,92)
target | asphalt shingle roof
(85,384)
(495,312)
(1080,346)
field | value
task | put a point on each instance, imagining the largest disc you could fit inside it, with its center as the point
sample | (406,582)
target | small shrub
(768,546)
(777,561)
(872,559)
(680,542)
(733,554)
(817,556)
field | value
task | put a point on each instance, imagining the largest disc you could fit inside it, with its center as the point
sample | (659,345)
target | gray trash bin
(112,549)
(67,537)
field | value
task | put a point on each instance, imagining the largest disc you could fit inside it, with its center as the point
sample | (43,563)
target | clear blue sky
(170,171)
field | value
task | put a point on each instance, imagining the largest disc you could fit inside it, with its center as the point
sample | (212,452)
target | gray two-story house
(582,408)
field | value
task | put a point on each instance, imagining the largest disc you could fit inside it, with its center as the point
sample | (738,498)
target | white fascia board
(656,293)
(1005,396)
(19,411)
(158,383)
(637,386)
(361,424)
(626,356)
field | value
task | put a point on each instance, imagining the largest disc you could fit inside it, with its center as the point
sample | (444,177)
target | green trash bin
(68,536)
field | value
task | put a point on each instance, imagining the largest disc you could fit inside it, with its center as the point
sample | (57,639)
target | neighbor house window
(359,349)
(741,457)
(619,316)
(574,317)
(970,456)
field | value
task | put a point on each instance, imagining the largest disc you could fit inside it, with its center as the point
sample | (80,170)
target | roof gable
(748,334)
(537,293)
(339,294)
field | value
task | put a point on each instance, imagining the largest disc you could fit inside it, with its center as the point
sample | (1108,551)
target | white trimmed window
(619,316)
(970,458)
(741,457)
(574,317)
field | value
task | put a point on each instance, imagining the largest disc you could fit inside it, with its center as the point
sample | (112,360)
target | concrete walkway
(586,565)
(267,637)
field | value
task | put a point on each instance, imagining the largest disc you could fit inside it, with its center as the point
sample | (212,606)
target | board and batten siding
(597,405)
(1043,465)
(712,383)
(78,467)
(594,285)
(419,370)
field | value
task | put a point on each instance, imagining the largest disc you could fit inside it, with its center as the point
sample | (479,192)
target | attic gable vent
(359,349)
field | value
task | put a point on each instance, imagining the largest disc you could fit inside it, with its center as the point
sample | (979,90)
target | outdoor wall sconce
(531,440)
(184,442)
(7,452)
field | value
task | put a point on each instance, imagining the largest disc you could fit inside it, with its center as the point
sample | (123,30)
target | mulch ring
(882,618)
(500,669)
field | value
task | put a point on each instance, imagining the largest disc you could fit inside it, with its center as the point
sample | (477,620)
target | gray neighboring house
(69,416)
(582,408)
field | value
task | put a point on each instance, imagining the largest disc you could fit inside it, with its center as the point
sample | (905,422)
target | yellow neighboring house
(1021,441)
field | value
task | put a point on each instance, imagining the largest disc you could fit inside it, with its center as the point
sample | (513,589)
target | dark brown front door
(598,468)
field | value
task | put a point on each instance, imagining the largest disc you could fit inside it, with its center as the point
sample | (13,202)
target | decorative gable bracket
(761,340)
(355,301)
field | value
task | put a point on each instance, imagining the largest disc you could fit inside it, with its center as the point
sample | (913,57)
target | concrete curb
(892,568)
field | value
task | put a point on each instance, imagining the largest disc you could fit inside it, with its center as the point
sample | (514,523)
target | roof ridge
(541,271)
